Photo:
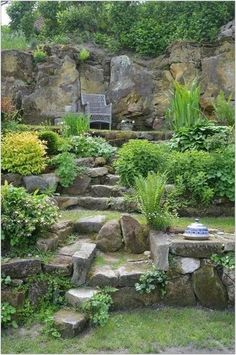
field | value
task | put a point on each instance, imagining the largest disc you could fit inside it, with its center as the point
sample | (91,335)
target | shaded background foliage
(146,28)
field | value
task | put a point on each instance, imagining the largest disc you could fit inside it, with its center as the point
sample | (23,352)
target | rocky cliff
(138,88)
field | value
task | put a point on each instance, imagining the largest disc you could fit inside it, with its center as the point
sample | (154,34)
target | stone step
(97,203)
(82,260)
(89,225)
(77,296)
(112,179)
(107,191)
(69,323)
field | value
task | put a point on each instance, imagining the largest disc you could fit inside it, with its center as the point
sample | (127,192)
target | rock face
(179,292)
(209,288)
(137,88)
(109,237)
(134,235)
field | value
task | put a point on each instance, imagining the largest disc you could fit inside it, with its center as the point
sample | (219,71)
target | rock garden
(97,222)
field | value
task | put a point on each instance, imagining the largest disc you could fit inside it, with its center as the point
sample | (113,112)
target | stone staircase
(97,189)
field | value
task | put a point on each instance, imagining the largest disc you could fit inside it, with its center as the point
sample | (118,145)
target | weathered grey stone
(60,264)
(130,274)
(159,246)
(63,229)
(209,288)
(99,161)
(17,64)
(112,179)
(40,182)
(231,294)
(69,323)
(90,224)
(107,191)
(95,172)
(76,296)
(196,248)
(14,179)
(94,203)
(66,201)
(187,265)
(82,261)
(103,276)
(13,297)
(49,244)
(121,204)
(21,268)
(88,162)
(228,279)
(179,292)
(134,235)
(129,298)
(37,291)
(79,186)
(109,237)
(70,249)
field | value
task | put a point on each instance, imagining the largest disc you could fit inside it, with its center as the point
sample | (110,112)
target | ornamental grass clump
(150,197)
(75,124)
(23,153)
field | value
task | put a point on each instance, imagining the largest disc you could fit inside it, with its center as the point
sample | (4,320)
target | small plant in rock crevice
(97,308)
(226,260)
(7,311)
(151,280)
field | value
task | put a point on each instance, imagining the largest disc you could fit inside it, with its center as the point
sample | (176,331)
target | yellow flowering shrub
(23,153)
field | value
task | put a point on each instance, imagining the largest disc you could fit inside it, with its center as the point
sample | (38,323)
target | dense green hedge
(147,27)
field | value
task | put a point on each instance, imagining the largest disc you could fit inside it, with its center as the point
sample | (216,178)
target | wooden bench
(95,106)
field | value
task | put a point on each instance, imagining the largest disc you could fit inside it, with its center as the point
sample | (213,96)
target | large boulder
(209,288)
(79,186)
(134,234)
(21,268)
(109,237)
(179,292)
(57,85)
(17,64)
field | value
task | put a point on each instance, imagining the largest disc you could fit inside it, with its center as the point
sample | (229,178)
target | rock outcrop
(139,89)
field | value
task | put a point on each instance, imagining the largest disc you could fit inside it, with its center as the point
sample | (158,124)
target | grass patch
(11,40)
(149,331)
(226,224)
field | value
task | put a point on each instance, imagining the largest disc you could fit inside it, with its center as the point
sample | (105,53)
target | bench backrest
(95,105)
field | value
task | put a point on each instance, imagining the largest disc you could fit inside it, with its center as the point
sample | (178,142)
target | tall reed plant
(224,110)
(150,197)
(75,124)
(184,110)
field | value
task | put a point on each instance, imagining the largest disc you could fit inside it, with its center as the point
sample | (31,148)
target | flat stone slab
(130,273)
(63,229)
(159,246)
(69,250)
(69,323)
(186,265)
(112,179)
(107,191)
(103,276)
(66,201)
(95,172)
(82,260)
(199,249)
(76,296)
(21,268)
(60,264)
(91,224)
(94,203)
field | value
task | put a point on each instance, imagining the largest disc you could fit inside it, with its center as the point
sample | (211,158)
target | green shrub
(151,280)
(224,109)
(75,124)
(84,55)
(39,55)
(23,153)
(7,311)
(87,146)
(52,141)
(12,40)
(203,136)
(149,195)
(98,306)
(138,157)
(203,176)
(25,216)
(184,110)
(66,168)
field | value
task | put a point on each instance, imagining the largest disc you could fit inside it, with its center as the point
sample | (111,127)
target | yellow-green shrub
(23,153)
